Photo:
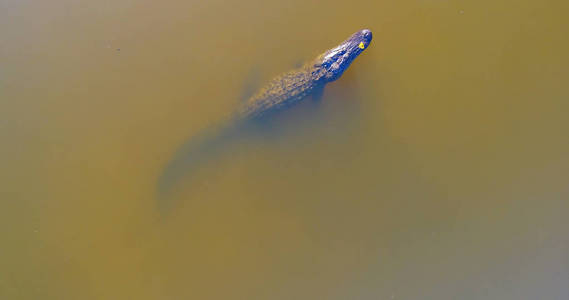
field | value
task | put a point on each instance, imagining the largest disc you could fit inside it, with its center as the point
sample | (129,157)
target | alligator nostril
(366,33)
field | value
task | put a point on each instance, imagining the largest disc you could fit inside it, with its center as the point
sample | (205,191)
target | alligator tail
(192,156)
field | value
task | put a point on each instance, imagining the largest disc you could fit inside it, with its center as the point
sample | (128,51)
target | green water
(436,168)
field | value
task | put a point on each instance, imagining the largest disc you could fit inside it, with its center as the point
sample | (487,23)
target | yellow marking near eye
(361,45)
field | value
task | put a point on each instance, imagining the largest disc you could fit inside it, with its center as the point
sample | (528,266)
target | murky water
(436,168)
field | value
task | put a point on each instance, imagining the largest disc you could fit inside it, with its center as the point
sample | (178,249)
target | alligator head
(336,60)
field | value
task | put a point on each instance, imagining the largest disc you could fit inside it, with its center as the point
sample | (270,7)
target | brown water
(436,168)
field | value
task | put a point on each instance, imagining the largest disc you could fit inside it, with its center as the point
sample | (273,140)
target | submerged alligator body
(280,93)
(311,78)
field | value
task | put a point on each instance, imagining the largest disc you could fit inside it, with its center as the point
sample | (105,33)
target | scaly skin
(282,92)
(294,86)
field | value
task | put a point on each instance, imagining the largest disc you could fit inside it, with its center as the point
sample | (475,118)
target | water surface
(435,168)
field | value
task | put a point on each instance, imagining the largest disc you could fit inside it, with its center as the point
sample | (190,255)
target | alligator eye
(361,45)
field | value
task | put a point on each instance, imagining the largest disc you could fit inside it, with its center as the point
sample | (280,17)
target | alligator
(280,93)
